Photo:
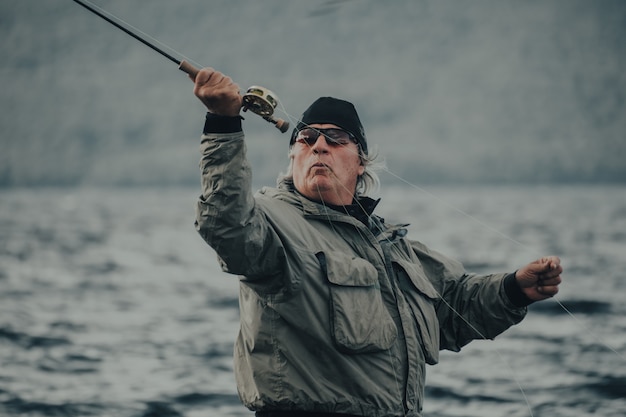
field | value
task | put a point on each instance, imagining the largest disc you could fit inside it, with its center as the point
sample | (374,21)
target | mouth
(319,165)
(319,168)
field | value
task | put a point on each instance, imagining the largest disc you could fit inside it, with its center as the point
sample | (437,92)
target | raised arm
(227,216)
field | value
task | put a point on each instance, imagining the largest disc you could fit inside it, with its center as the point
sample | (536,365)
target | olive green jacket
(335,316)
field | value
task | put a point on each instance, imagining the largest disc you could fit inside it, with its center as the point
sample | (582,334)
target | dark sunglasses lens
(332,136)
(308,136)
(337,135)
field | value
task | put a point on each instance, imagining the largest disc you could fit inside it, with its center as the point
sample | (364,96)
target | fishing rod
(258,100)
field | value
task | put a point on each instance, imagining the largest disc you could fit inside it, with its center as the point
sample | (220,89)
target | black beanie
(333,111)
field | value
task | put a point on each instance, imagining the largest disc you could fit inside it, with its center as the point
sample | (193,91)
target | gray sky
(449,91)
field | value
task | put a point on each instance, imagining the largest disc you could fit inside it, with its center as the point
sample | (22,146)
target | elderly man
(340,312)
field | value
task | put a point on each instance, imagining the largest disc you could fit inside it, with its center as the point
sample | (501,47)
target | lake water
(112,305)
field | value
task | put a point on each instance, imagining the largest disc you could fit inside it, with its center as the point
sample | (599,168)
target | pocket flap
(349,271)
(418,278)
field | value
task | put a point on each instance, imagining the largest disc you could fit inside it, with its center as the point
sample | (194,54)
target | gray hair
(366,183)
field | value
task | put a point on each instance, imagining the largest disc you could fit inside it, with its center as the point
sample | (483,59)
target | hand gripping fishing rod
(258,100)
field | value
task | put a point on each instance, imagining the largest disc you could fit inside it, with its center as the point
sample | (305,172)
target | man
(340,312)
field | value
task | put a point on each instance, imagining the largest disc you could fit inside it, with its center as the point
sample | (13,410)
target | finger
(552,273)
(548,290)
(552,281)
(549,273)
(202,76)
(549,265)
(227,83)
(205,75)
(553,262)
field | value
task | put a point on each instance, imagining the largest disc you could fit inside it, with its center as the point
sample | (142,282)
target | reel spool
(261,101)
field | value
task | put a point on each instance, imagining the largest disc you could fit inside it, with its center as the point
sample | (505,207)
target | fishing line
(258,100)
(487,226)
(601,340)
(132,31)
(494,230)
(527,248)
(295,120)
(383,234)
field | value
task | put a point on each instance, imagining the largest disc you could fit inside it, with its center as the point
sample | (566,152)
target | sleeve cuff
(515,293)
(216,123)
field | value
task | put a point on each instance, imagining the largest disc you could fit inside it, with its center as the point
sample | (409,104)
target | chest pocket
(421,296)
(360,322)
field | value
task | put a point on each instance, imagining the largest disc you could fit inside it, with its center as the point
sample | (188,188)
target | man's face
(326,172)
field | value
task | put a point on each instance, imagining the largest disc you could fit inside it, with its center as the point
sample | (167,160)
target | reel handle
(258,100)
(280,124)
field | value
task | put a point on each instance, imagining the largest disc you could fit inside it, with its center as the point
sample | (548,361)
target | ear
(361,169)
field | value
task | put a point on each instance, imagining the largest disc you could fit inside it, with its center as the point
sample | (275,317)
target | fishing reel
(258,100)
(261,101)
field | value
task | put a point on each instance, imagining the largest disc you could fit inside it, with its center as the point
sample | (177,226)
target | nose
(320,145)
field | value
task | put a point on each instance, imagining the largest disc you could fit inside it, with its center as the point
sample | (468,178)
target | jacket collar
(362,207)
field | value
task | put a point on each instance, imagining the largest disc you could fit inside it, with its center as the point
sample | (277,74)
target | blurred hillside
(449,91)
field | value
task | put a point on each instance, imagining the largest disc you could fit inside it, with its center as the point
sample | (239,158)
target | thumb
(543,265)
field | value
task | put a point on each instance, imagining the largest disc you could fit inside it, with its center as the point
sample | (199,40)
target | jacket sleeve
(470,306)
(228,218)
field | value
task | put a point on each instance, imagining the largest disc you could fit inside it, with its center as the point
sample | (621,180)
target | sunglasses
(333,136)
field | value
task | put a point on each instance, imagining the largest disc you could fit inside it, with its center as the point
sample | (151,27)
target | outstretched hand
(218,92)
(540,279)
